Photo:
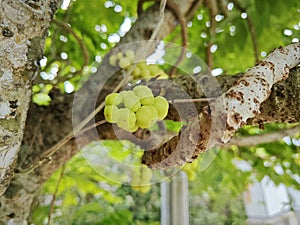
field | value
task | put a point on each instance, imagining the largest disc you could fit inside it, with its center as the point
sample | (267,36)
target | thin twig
(195,6)
(246,141)
(222,5)
(251,29)
(173,6)
(162,7)
(55,194)
(79,40)
(98,123)
(37,163)
(213,11)
(46,154)
(191,100)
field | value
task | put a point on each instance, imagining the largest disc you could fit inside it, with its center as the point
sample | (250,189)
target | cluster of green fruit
(141,179)
(133,109)
(123,60)
(139,70)
(190,169)
(143,71)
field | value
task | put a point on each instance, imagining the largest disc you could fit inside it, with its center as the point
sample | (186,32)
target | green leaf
(40,213)
(261,7)
(261,15)
(241,34)
(41,99)
(121,218)
(69,198)
(173,126)
(87,214)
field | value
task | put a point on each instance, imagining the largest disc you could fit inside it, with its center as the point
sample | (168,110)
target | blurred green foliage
(86,197)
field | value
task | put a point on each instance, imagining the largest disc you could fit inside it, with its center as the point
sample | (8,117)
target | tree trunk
(23,32)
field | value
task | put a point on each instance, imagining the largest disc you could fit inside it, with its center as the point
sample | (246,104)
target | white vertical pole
(165,218)
(174,200)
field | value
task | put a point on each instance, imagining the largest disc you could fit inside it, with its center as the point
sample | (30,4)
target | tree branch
(253,140)
(217,123)
(213,11)
(21,50)
(84,50)
(55,194)
(280,107)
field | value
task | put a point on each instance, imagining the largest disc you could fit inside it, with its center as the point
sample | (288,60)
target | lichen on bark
(225,114)
(23,28)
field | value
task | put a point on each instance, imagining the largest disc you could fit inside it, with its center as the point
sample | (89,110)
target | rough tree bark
(42,133)
(23,31)
(24,28)
(217,123)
